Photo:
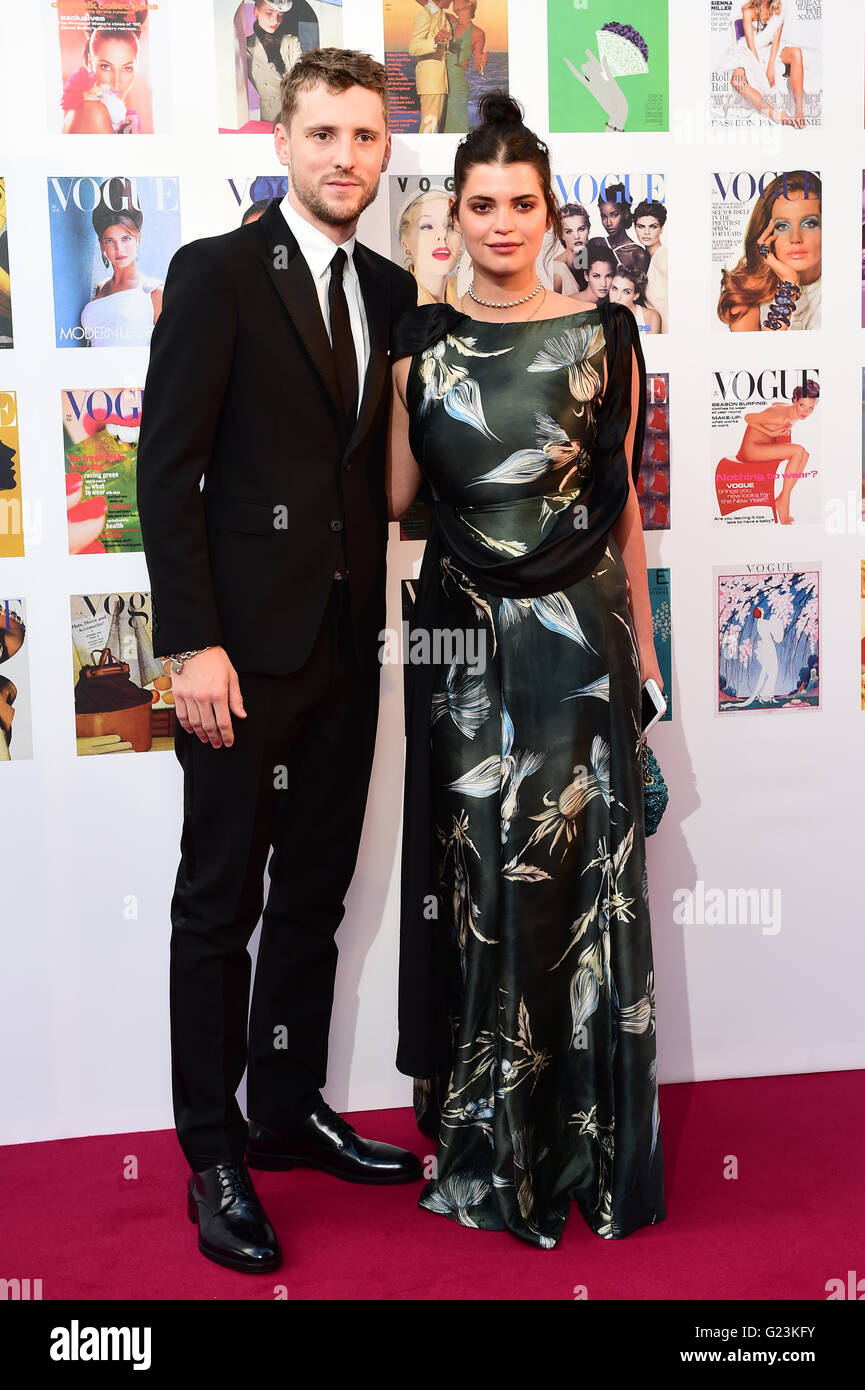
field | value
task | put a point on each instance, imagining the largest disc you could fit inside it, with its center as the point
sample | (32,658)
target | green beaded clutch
(655,793)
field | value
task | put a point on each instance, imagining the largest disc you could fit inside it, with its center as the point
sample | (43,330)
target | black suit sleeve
(191,354)
(403,293)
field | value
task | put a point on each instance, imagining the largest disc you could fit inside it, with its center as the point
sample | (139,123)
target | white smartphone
(654,704)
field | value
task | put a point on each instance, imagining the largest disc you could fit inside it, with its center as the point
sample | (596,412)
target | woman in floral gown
(527,1009)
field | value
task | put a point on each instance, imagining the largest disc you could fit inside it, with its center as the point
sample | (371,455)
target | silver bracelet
(177,658)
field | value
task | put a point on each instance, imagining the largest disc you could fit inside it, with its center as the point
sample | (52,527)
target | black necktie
(341,337)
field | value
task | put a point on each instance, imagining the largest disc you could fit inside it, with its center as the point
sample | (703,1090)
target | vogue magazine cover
(653,484)
(16,731)
(100,444)
(257,42)
(766,63)
(659,597)
(109,67)
(766,454)
(123,697)
(615,243)
(768,626)
(245,197)
(111,242)
(609,64)
(11,504)
(767,249)
(5,283)
(441,56)
(421,237)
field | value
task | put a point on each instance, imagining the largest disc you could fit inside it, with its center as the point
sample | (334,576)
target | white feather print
(513,610)
(506,547)
(522,467)
(465,700)
(482,780)
(507,734)
(524,873)
(599,757)
(551,431)
(556,612)
(585,994)
(463,403)
(439,375)
(599,688)
(571,352)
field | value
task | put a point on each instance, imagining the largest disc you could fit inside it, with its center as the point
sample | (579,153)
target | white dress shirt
(318,252)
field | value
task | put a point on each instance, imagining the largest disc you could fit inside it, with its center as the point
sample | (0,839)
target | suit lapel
(376,306)
(293,280)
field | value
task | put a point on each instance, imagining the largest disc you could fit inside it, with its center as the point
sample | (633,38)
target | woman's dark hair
(502,138)
(114,21)
(104,217)
(638,279)
(617,195)
(650,208)
(811,390)
(255,210)
(598,250)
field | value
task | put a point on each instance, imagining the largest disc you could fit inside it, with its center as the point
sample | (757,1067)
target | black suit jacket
(242,391)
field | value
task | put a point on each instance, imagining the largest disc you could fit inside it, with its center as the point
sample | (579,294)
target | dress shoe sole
(234,1262)
(281,1163)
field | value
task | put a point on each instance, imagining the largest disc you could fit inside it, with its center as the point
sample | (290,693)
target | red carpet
(792,1219)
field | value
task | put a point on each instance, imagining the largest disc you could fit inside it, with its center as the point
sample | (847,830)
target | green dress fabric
(457,109)
(550,1093)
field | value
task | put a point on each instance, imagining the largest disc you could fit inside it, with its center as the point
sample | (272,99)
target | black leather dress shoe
(325,1140)
(233,1229)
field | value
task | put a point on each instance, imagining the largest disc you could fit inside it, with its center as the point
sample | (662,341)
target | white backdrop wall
(767,800)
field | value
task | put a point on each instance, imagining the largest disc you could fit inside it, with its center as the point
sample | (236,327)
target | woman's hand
(770,74)
(783,271)
(649,668)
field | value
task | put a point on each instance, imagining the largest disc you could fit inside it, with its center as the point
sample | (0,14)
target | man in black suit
(269,379)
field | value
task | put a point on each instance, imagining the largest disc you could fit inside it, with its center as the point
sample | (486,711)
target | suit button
(336,526)
(348,468)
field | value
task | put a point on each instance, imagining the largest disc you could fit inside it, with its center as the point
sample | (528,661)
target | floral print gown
(538,811)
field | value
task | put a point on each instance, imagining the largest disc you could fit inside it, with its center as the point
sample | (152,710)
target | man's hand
(206,694)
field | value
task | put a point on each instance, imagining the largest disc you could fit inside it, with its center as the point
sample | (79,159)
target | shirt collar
(317,249)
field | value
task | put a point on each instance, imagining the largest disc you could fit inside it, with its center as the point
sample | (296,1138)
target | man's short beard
(309,196)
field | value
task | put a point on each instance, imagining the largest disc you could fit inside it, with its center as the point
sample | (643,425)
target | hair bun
(498,108)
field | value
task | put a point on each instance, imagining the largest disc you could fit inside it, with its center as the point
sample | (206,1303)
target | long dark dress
(522,742)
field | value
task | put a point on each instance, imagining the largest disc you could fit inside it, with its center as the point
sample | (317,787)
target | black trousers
(295,780)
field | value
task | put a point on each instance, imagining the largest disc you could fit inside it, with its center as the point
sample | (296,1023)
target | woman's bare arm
(748,22)
(402,474)
(768,420)
(628,535)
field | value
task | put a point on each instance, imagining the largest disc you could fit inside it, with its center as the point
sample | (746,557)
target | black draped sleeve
(419,328)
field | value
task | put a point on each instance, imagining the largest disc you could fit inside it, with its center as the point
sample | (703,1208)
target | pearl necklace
(505,303)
